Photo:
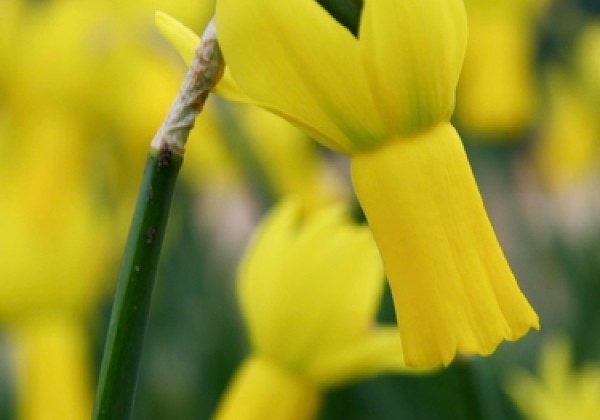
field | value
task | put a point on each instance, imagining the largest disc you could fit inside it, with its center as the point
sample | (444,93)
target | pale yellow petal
(587,389)
(180,36)
(263,390)
(531,399)
(558,391)
(329,301)
(555,366)
(300,296)
(194,14)
(453,289)
(293,58)
(378,351)
(261,264)
(413,52)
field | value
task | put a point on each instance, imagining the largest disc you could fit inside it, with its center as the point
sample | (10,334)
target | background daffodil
(309,292)
(52,227)
(566,150)
(558,391)
(385,98)
(497,94)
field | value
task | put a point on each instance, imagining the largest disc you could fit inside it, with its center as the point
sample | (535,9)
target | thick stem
(129,317)
(118,374)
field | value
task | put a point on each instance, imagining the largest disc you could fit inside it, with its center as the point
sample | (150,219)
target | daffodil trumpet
(455,287)
(385,97)
(558,390)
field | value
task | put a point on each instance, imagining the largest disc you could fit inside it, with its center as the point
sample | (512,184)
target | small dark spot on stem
(150,234)
(164,155)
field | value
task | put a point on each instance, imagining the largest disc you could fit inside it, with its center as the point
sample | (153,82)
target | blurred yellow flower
(587,59)
(568,141)
(386,98)
(497,93)
(53,358)
(54,256)
(82,95)
(558,392)
(309,292)
(51,225)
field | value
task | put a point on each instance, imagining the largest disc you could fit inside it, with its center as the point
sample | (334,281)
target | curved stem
(129,317)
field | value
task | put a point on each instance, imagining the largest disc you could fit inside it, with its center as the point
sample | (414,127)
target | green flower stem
(129,317)
(128,320)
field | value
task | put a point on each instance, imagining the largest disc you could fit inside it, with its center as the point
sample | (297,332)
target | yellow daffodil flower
(385,98)
(558,392)
(270,138)
(309,292)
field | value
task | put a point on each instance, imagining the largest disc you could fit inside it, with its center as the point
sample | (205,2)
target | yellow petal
(413,52)
(555,366)
(260,264)
(377,352)
(327,300)
(531,398)
(185,42)
(194,14)
(263,390)
(227,88)
(299,295)
(293,58)
(179,35)
(452,287)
